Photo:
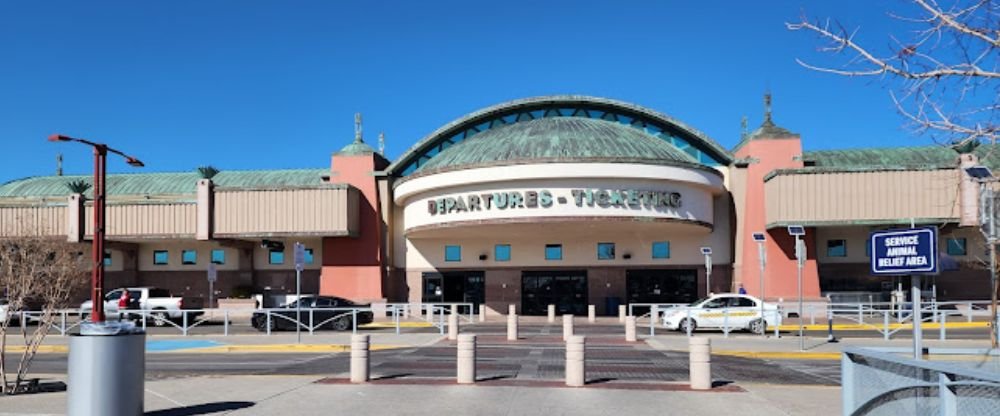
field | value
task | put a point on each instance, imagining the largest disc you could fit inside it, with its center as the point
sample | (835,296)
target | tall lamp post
(100,172)
(762,257)
(707,252)
(987,221)
(798,231)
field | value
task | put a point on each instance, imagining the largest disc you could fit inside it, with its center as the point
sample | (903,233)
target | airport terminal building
(566,200)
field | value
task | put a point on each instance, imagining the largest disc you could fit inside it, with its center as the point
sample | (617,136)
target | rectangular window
(553,252)
(452,253)
(956,246)
(218,256)
(189,257)
(107,258)
(160,257)
(836,248)
(309,256)
(868,248)
(501,252)
(605,251)
(661,249)
(276,257)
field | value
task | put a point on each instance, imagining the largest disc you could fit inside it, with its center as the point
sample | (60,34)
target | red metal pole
(97,278)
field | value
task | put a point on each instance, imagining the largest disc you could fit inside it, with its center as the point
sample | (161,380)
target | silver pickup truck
(159,304)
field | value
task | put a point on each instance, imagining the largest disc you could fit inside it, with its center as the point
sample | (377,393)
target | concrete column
(359,358)
(452,327)
(482,312)
(700,362)
(511,309)
(576,375)
(466,359)
(591,313)
(968,191)
(622,313)
(511,327)
(205,205)
(552,314)
(567,327)
(630,329)
(75,226)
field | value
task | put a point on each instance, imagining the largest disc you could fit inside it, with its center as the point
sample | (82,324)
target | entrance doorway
(662,286)
(565,289)
(457,287)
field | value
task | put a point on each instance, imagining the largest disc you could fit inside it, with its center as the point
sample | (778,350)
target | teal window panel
(107,258)
(501,252)
(189,257)
(956,247)
(553,252)
(276,257)
(218,256)
(161,257)
(661,250)
(836,248)
(452,253)
(605,251)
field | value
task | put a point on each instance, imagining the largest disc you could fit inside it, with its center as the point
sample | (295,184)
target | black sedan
(327,312)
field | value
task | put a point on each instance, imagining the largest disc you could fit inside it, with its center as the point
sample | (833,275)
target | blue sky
(261,85)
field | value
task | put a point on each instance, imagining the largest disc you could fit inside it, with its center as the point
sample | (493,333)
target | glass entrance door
(455,287)
(662,286)
(565,289)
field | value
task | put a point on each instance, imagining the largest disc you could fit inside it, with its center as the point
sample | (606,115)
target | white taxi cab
(724,310)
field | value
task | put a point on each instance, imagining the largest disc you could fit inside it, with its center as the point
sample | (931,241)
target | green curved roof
(162,183)
(934,156)
(562,139)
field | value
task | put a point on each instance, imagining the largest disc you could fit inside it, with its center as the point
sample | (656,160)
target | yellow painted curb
(41,348)
(875,327)
(281,348)
(393,325)
(777,355)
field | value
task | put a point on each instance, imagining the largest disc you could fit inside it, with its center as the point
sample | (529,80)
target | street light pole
(100,212)
(762,257)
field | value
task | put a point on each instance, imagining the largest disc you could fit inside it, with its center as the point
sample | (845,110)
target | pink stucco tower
(765,150)
(352,267)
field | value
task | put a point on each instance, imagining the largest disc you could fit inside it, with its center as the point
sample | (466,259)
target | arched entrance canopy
(697,144)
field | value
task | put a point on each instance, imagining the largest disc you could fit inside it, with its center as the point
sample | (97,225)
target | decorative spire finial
(357,128)
(381,143)
(59,171)
(743,128)
(767,107)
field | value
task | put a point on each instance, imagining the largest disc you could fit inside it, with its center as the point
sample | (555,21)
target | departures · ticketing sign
(909,251)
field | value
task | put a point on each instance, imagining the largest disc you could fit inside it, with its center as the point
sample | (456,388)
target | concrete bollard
(511,310)
(482,313)
(576,375)
(360,368)
(454,309)
(466,359)
(552,314)
(700,363)
(630,329)
(452,327)
(591,313)
(621,313)
(567,327)
(511,327)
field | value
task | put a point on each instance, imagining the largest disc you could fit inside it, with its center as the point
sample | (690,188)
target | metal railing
(880,383)
(726,319)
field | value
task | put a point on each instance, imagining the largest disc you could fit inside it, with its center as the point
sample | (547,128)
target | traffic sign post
(912,252)
(707,252)
(213,275)
(300,258)
(760,239)
(798,231)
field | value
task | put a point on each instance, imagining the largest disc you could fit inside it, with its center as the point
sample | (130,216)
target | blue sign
(911,251)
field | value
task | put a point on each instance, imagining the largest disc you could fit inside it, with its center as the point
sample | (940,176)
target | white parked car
(158,303)
(723,310)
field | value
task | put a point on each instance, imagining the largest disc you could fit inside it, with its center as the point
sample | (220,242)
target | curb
(877,327)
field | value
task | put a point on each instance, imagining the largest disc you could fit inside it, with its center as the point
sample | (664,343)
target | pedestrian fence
(434,313)
(876,383)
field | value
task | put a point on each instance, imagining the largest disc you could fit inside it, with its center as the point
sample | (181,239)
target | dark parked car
(332,312)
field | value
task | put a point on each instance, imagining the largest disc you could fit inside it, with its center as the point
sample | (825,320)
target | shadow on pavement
(202,409)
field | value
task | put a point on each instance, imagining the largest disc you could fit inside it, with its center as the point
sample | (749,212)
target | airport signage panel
(908,251)
(543,198)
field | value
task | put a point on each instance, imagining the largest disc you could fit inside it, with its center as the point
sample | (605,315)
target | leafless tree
(942,75)
(37,273)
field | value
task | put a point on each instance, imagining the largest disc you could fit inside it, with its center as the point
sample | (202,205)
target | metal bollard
(621,314)
(552,314)
(511,327)
(630,329)
(466,359)
(576,375)
(567,327)
(591,313)
(452,327)
(511,309)
(359,358)
(700,357)
(482,313)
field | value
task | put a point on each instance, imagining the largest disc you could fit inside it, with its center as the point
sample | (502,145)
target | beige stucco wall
(204,249)
(862,196)
(49,220)
(142,220)
(857,237)
(321,211)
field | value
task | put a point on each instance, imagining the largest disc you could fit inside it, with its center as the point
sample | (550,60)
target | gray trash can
(107,372)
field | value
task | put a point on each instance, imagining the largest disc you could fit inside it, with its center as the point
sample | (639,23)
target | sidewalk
(273,395)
